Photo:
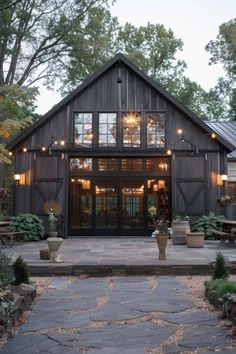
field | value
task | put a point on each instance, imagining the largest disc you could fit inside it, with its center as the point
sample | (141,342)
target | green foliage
(5,269)
(215,289)
(21,271)
(223,50)
(208,222)
(30,223)
(220,271)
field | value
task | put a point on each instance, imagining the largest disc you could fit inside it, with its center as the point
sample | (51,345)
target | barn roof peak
(118,57)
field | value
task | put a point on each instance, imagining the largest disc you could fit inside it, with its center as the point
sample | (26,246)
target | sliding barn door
(190,185)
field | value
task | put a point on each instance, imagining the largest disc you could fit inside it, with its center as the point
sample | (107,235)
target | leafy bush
(220,271)
(216,289)
(21,271)
(5,269)
(208,222)
(30,223)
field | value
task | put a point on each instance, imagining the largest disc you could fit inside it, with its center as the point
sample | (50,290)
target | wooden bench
(8,237)
(222,235)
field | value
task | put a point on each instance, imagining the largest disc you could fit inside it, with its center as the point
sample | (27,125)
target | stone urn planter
(162,243)
(52,233)
(195,239)
(54,243)
(179,229)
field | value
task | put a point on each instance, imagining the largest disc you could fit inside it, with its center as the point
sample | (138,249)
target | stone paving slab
(102,316)
(112,256)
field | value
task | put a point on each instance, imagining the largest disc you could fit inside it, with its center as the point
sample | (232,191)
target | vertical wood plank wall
(132,94)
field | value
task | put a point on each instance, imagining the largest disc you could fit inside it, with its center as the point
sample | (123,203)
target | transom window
(107,130)
(131,130)
(155,130)
(83,133)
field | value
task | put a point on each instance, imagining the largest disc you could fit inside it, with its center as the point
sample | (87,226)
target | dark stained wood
(194,177)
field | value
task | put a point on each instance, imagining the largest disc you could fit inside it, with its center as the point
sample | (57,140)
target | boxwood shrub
(30,223)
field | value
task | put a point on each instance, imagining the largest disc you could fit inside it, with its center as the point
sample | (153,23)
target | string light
(24,150)
(10,153)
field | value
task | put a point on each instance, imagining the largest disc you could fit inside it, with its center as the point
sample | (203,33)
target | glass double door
(111,206)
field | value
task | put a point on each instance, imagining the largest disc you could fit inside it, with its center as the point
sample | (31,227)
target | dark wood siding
(132,94)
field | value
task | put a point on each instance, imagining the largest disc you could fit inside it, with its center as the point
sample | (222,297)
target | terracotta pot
(180,228)
(162,243)
(195,239)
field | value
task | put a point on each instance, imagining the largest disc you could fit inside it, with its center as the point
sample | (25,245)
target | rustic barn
(116,146)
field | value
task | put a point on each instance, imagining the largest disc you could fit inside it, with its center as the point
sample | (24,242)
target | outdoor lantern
(17,178)
(224,177)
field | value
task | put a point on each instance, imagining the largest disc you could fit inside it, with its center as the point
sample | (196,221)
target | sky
(196,22)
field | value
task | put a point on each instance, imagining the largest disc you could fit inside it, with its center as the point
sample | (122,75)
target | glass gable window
(83,132)
(131,130)
(155,130)
(107,129)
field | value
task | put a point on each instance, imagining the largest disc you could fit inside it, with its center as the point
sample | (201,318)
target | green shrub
(30,223)
(21,271)
(220,271)
(5,270)
(215,289)
(208,222)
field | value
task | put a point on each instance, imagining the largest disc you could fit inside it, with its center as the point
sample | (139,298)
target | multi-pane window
(107,129)
(131,130)
(155,130)
(83,129)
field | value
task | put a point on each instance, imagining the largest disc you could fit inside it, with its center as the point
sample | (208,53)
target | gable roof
(118,58)
(228,131)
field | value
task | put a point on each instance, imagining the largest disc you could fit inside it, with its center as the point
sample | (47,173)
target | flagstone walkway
(128,315)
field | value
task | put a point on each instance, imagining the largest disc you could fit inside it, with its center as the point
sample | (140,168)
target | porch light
(179,131)
(224,177)
(17,178)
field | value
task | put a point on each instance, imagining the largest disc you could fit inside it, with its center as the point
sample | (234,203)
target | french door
(116,206)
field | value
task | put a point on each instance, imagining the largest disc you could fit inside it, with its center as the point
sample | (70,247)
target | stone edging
(16,301)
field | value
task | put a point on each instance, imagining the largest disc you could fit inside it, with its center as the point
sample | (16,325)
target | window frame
(97,130)
(146,129)
(73,137)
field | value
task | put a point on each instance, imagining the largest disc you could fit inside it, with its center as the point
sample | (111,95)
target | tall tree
(223,50)
(32,34)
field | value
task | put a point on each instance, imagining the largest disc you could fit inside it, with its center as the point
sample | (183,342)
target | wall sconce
(224,177)
(17,178)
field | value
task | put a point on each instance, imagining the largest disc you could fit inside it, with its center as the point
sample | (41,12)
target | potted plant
(195,239)
(52,221)
(179,227)
(161,232)
(54,242)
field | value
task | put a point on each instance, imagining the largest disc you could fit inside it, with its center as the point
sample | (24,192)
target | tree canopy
(223,50)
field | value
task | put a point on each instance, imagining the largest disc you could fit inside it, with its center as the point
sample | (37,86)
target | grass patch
(216,289)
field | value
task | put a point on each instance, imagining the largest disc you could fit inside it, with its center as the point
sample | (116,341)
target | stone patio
(127,256)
